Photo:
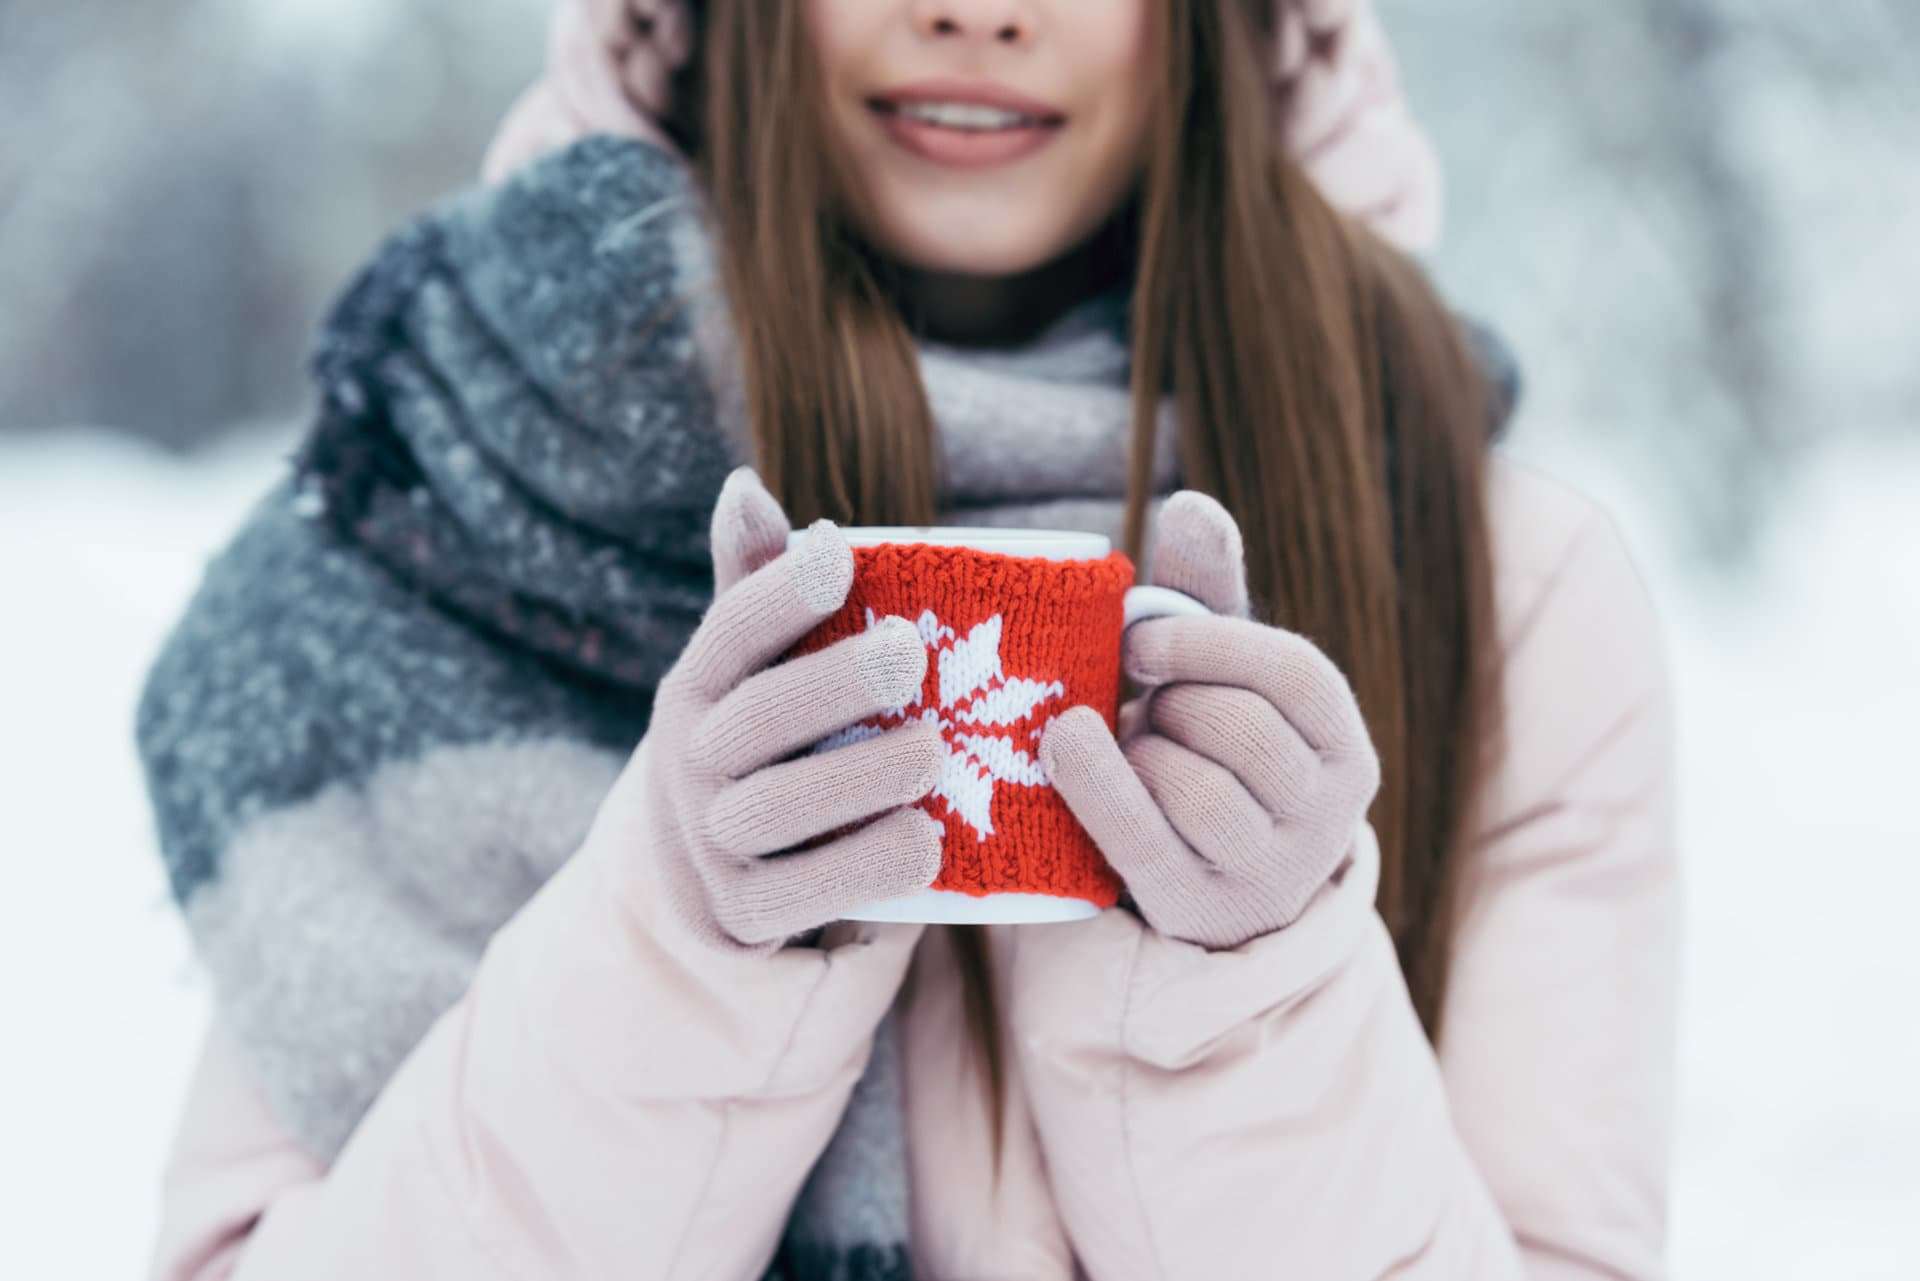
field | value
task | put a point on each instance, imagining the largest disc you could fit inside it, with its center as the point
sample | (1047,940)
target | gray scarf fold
(401,690)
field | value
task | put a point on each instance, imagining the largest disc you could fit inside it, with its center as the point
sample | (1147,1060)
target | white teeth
(964,115)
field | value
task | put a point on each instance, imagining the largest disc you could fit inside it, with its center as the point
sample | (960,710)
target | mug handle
(1149,601)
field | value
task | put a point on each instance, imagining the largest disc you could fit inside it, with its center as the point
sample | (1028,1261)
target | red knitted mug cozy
(1013,641)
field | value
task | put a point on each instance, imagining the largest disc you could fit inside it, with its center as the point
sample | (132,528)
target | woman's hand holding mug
(1234,788)
(1241,775)
(747,837)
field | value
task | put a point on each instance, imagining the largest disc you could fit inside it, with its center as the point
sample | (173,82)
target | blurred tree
(183,183)
(1690,216)
(1695,219)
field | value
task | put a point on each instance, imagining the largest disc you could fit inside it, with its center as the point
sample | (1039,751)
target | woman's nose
(1008,21)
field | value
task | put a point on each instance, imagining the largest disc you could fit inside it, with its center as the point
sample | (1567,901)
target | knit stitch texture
(1011,641)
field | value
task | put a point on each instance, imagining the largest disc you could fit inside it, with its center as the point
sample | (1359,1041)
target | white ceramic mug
(1139,602)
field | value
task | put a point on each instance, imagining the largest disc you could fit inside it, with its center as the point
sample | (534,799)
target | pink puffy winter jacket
(1174,1112)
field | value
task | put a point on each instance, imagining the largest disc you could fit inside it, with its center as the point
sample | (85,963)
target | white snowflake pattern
(980,709)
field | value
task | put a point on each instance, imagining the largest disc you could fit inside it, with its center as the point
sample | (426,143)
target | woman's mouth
(964,131)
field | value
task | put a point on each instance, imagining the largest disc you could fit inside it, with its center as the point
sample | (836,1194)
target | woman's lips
(963,148)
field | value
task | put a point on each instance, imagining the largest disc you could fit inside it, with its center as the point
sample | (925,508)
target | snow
(1799,713)
(100,542)
(1799,1127)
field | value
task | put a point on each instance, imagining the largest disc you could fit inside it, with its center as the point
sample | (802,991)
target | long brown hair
(1325,395)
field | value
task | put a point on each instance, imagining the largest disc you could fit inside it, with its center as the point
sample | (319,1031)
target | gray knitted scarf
(399,693)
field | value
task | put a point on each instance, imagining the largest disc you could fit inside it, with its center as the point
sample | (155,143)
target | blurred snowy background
(1698,221)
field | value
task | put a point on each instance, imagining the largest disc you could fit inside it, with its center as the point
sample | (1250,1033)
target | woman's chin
(976,248)
(987,239)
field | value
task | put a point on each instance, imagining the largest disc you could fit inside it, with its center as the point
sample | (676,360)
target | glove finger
(758,900)
(1284,667)
(1093,777)
(760,617)
(1197,550)
(1246,734)
(800,701)
(1134,716)
(749,528)
(792,802)
(1216,816)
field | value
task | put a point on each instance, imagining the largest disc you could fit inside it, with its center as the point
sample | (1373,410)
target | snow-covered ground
(1799,727)
(1800,1118)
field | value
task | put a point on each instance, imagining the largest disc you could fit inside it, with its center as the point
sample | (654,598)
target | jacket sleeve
(1277,1107)
(608,1098)
(1348,122)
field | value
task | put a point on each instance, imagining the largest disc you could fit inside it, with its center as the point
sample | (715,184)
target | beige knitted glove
(747,831)
(1244,770)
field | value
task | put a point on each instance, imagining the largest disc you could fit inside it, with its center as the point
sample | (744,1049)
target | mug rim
(1052,544)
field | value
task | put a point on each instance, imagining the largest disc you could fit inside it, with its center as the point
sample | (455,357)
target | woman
(1391,991)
